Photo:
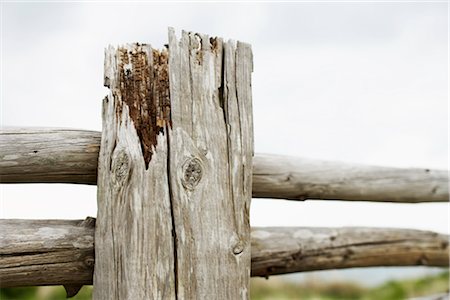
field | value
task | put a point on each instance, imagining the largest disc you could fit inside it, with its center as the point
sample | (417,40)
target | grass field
(272,289)
(277,289)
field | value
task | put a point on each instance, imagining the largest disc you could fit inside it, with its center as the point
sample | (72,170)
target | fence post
(175,172)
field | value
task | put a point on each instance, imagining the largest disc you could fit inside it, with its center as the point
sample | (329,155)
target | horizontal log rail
(48,155)
(61,252)
(294,178)
(54,155)
(283,250)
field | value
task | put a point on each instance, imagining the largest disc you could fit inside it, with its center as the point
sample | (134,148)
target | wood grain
(55,252)
(30,155)
(46,252)
(134,244)
(48,155)
(285,250)
(210,165)
(294,178)
(174,176)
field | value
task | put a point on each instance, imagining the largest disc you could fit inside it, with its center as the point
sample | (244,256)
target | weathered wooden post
(175,169)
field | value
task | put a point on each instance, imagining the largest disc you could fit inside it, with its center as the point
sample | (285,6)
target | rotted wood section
(175,171)
(61,252)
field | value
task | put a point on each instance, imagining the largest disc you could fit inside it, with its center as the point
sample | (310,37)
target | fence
(175,171)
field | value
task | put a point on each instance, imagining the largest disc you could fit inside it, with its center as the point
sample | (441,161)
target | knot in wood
(89,262)
(238,248)
(89,222)
(120,166)
(192,173)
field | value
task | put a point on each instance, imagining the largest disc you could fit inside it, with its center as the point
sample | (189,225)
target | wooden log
(70,156)
(48,155)
(285,250)
(55,252)
(46,252)
(174,179)
(293,178)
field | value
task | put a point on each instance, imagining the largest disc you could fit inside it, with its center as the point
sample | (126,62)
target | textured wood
(174,179)
(284,250)
(299,179)
(211,149)
(73,156)
(41,155)
(50,252)
(46,252)
(134,245)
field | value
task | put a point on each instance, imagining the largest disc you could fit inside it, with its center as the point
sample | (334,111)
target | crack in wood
(172,216)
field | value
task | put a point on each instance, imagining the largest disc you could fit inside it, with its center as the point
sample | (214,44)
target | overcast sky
(356,82)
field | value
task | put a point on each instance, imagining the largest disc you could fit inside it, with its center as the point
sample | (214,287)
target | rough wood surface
(211,149)
(134,233)
(294,178)
(174,177)
(55,252)
(284,250)
(46,252)
(70,156)
(134,244)
(41,155)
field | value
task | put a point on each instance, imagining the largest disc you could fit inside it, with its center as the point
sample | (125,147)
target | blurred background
(363,82)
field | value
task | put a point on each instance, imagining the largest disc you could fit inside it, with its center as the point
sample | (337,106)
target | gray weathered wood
(174,179)
(293,178)
(55,252)
(211,153)
(134,245)
(284,250)
(71,157)
(40,155)
(46,252)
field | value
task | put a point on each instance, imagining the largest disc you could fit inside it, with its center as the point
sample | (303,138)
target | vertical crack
(239,113)
(225,91)
(172,216)
(191,83)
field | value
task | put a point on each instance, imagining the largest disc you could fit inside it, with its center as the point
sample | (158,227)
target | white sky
(357,82)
